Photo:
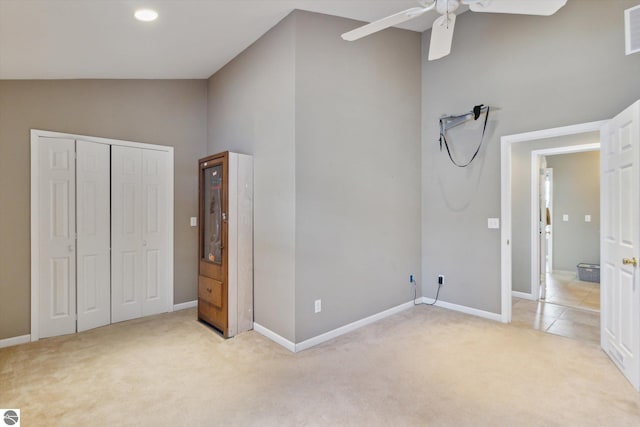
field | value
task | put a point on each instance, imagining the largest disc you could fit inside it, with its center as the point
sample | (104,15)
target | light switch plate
(193,221)
(565,217)
(493,223)
(587,218)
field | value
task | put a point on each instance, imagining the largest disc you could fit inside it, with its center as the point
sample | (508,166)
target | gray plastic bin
(589,272)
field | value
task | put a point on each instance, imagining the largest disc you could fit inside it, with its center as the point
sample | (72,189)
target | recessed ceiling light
(146,15)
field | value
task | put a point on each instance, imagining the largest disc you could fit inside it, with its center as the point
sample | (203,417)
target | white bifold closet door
(57,229)
(94,238)
(139,237)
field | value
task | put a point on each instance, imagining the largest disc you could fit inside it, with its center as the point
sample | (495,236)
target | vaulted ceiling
(64,39)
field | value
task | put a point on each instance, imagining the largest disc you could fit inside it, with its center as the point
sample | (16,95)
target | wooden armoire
(225,266)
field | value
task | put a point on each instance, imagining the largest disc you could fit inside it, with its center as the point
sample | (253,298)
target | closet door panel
(56,230)
(93,225)
(126,233)
(154,231)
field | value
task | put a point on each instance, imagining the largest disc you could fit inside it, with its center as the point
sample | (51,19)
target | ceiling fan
(442,31)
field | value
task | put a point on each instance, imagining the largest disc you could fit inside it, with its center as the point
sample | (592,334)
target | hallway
(571,309)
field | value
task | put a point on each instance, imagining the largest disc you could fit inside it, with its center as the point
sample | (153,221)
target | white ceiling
(65,39)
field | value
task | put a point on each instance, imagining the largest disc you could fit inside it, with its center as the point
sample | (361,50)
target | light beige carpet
(425,366)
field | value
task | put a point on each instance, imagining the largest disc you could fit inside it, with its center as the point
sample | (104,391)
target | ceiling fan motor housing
(446,6)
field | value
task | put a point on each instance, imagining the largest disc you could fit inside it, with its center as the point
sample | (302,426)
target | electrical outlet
(193,221)
(411,280)
(440,279)
(318,306)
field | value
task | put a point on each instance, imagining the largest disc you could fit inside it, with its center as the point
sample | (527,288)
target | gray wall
(252,111)
(521,201)
(153,111)
(334,128)
(542,72)
(357,171)
(576,192)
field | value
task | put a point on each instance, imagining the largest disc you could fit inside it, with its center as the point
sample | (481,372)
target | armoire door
(56,231)
(213,274)
(93,216)
(139,233)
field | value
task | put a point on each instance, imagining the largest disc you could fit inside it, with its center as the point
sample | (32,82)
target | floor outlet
(318,306)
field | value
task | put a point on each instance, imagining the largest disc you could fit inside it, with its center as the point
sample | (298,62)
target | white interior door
(549,229)
(94,237)
(140,233)
(126,233)
(542,227)
(56,230)
(620,296)
(155,238)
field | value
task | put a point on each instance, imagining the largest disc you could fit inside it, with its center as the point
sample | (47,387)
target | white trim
(35,239)
(549,255)
(575,273)
(535,202)
(318,339)
(100,140)
(505,230)
(170,224)
(524,295)
(463,309)
(35,243)
(505,199)
(352,326)
(9,342)
(185,305)
(274,337)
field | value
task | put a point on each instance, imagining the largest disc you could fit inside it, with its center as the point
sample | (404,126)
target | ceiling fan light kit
(442,30)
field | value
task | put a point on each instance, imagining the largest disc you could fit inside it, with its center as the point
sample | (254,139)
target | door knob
(630,261)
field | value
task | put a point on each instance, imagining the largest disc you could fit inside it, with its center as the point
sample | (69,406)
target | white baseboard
(464,309)
(564,272)
(8,342)
(351,326)
(523,295)
(185,305)
(274,337)
(311,342)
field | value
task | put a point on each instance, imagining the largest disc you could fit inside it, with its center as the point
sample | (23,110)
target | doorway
(620,232)
(528,303)
(563,299)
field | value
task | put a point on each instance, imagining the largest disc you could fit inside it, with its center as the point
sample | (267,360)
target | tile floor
(565,289)
(571,309)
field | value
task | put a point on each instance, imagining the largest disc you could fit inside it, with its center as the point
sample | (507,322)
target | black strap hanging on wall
(477,111)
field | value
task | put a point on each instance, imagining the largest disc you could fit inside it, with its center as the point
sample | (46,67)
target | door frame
(505,198)
(535,208)
(549,262)
(35,238)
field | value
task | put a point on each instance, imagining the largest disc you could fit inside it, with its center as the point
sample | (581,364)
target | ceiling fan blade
(523,7)
(387,22)
(441,36)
